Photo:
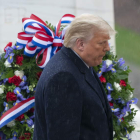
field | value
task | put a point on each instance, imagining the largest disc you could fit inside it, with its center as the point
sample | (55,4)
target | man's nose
(107,47)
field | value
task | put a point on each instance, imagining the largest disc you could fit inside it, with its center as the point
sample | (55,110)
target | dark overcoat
(70,102)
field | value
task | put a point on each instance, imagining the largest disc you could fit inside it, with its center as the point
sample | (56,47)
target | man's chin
(99,62)
(96,63)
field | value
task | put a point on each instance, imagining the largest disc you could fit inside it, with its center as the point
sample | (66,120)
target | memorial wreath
(21,66)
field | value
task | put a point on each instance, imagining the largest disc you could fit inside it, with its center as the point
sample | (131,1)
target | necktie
(91,70)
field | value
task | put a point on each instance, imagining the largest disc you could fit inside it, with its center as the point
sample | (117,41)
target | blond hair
(84,27)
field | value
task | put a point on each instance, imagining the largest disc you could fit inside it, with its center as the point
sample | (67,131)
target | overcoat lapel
(92,81)
(105,97)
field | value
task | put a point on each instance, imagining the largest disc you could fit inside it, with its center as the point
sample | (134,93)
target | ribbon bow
(39,38)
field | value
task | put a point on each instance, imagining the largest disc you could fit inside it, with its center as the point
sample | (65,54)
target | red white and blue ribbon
(39,39)
(16,111)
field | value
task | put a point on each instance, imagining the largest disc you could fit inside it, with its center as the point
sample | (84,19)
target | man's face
(95,49)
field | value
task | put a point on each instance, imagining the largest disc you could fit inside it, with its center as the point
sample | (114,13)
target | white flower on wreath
(19,73)
(117,86)
(113,133)
(126,114)
(11,124)
(33,126)
(131,94)
(1,89)
(108,62)
(7,64)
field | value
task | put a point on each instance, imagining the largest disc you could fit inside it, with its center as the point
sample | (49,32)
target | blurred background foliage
(128,45)
(127,24)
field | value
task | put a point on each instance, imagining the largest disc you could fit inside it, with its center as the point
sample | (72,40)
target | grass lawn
(128,45)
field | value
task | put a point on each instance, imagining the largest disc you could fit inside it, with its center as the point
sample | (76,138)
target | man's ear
(80,44)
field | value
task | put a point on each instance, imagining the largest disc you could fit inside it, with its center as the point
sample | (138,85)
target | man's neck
(80,57)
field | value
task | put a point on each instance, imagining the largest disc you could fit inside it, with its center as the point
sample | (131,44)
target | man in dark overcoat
(70,102)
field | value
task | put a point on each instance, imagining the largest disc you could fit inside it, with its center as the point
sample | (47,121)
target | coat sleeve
(63,107)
